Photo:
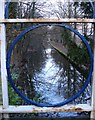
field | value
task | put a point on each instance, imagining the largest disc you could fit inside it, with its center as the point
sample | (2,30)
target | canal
(44,75)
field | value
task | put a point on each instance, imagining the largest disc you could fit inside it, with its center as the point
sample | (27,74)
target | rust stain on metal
(65,20)
(78,109)
(0,28)
(58,109)
(35,109)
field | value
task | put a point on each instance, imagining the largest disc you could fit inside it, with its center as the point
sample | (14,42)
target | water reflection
(58,80)
(48,80)
(46,76)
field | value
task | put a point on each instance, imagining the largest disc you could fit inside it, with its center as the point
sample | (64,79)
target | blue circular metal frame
(7,9)
(42,104)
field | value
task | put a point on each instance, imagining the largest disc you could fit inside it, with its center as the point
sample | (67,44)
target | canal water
(46,76)
(57,79)
(54,81)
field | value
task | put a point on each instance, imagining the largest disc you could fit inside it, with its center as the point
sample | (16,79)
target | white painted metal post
(3,59)
(93,85)
(93,82)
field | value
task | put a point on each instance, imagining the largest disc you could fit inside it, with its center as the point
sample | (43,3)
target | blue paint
(34,27)
(7,9)
(93,8)
(41,104)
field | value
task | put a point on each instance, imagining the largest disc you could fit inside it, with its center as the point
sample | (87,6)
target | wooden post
(3,59)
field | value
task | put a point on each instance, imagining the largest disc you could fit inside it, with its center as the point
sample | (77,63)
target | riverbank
(63,50)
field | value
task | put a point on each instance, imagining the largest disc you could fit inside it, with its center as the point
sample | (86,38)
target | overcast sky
(52,5)
(53,1)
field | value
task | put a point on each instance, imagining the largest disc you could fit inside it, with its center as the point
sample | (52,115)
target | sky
(51,6)
(53,1)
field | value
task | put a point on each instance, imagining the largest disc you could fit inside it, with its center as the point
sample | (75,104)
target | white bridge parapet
(40,20)
(6,108)
(35,109)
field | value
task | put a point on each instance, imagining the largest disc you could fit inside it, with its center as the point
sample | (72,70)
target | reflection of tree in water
(70,81)
(29,60)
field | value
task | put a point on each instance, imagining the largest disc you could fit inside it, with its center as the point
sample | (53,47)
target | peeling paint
(65,20)
(35,109)
(0,28)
